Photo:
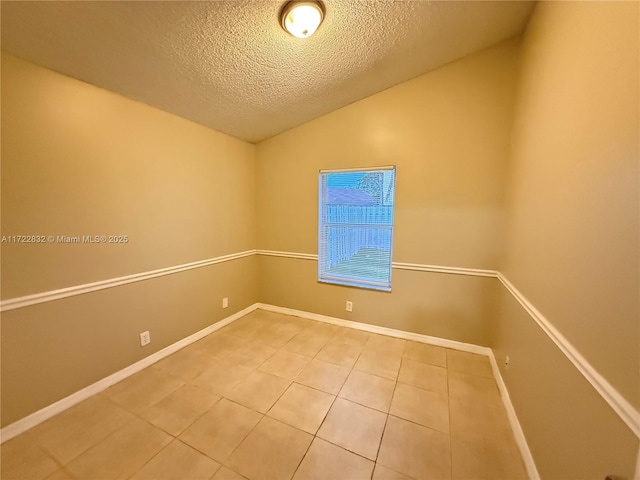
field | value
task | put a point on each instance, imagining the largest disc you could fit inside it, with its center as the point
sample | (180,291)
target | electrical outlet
(145,338)
(349,306)
(507,360)
(225,302)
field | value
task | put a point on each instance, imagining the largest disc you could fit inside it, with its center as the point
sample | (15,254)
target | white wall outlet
(145,338)
(225,302)
(349,306)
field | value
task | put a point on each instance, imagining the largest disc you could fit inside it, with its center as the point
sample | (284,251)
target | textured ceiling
(229,65)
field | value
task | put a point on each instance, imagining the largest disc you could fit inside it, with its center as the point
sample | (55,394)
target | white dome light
(301,19)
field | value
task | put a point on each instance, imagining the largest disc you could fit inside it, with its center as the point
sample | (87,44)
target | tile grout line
(387,414)
(154,456)
(386,417)
(266,413)
(48,454)
(124,425)
(237,403)
(315,435)
(352,369)
(329,340)
(386,420)
(216,358)
(174,437)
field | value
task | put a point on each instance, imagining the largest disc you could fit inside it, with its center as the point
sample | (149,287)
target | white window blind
(355,227)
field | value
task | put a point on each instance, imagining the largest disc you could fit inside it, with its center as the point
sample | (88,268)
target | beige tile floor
(278,397)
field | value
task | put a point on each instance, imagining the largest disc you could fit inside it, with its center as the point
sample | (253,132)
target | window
(355,227)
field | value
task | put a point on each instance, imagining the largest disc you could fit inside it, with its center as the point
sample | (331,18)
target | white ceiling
(228,64)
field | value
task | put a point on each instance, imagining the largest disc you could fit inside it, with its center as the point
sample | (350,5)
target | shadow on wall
(444,323)
(457,307)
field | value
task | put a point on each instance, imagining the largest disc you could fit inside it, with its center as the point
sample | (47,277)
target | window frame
(323,226)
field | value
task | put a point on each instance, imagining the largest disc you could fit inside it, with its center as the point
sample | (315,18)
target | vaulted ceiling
(230,66)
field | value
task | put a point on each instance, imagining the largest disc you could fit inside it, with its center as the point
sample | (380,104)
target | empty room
(274,240)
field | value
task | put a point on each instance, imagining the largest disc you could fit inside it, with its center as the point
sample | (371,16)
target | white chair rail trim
(476,272)
(620,405)
(57,294)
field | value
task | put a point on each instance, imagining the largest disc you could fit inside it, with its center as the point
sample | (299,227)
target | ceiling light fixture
(301,19)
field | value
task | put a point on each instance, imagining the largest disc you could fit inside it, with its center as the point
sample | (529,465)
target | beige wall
(78,160)
(573,434)
(448,306)
(54,349)
(572,243)
(448,134)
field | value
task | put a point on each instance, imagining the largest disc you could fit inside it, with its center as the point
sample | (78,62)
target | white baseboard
(391,332)
(49,411)
(521,441)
